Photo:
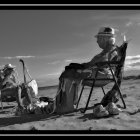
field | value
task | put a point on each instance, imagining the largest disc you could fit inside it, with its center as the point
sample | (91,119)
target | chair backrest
(120,68)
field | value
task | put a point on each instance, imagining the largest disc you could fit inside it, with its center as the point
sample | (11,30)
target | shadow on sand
(5,121)
(26,119)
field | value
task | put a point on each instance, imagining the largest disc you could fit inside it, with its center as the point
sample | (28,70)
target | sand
(128,119)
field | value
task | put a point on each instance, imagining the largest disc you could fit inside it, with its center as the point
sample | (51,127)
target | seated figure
(71,77)
(11,89)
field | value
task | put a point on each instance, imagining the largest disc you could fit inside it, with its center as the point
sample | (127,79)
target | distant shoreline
(134,77)
(47,87)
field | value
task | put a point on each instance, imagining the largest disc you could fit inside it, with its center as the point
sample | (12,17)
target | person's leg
(111,96)
(27,95)
(76,89)
(23,93)
(18,96)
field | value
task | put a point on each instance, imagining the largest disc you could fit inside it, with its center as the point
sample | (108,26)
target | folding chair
(116,76)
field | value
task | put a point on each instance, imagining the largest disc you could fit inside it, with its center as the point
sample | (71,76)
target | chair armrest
(100,64)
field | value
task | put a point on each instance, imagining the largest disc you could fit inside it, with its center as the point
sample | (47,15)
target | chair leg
(103,90)
(80,96)
(83,111)
(1,104)
(118,87)
(120,95)
(1,100)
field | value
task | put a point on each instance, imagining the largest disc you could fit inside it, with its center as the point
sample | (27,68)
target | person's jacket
(111,55)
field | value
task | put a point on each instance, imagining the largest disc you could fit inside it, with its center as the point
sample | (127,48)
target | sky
(48,40)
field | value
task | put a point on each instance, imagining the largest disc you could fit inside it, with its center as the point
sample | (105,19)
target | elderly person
(11,85)
(106,41)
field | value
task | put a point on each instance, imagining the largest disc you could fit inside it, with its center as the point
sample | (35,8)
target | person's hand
(124,39)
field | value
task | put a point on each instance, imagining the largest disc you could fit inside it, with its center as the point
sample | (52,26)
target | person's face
(8,71)
(103,41)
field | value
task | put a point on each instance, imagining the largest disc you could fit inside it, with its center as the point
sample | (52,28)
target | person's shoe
(113,109)
(20,111)
(99,111)
(30,109)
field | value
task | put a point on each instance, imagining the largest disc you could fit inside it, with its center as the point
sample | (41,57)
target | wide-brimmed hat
(106,31)
(9,66)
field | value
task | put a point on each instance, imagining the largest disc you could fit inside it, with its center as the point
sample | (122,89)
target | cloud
(132,62)
(128,68)
(67,61)
(128,24)
(25,56)
(133,57)
(16,57)
(135,64)
(77,60)
(133,20)
(58,62)
(54,74)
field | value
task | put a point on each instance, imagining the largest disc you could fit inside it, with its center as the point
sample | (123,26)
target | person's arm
(110,56)
(98,58)
(10,78)
(113,55)
(88,64)
(6,78)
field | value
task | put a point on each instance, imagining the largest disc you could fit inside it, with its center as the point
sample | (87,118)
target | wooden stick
(1,100)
